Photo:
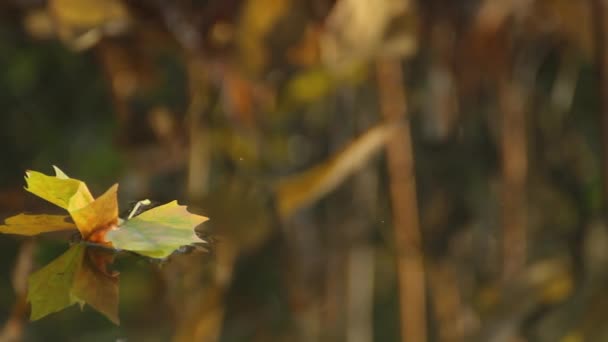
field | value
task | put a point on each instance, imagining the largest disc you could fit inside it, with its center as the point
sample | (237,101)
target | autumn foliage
(81,274)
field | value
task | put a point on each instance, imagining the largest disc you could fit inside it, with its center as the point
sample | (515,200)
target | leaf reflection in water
(80,275)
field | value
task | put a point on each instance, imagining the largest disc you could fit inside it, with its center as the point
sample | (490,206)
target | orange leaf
(99,216)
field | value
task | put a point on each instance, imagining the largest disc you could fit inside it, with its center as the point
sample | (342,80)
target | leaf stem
(137,205)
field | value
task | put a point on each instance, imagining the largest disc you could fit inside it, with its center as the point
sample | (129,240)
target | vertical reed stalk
(411,273)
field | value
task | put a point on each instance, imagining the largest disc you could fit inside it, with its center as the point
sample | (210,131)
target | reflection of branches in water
(95,284)
(514,165)
(80,275)
(598,10)
(199,158)
(13,328)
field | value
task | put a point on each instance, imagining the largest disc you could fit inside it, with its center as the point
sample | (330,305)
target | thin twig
(405,208)
(514,169)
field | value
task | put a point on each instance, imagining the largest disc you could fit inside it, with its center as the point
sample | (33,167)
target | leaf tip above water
(59,174)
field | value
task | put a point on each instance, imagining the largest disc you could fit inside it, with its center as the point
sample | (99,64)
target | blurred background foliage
(483,221)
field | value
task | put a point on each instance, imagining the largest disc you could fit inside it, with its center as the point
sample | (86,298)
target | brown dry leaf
(303,189)
(29,225)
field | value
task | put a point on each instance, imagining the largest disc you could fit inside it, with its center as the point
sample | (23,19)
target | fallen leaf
(29,225)
(68,193)
(157,232)
(80,275)
(98,216)
(92,216)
